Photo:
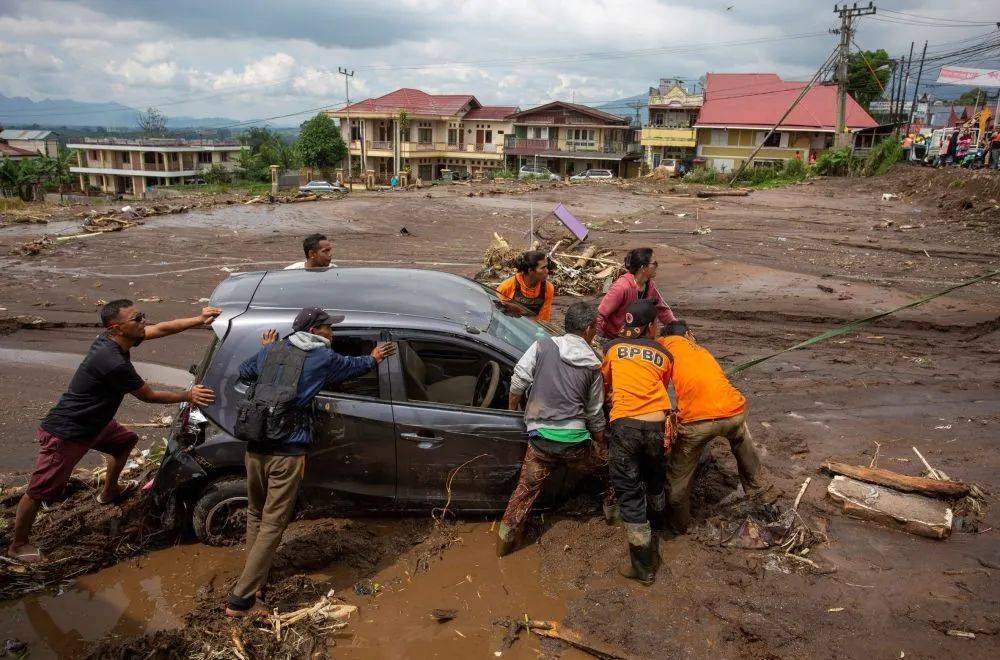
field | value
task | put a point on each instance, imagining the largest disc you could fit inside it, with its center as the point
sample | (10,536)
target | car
(428,428)
(532,172)
(323,187)
(593,175)
(670,164)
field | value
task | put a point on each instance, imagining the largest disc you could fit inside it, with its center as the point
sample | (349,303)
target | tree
(152,122)
(58,169)
(319,145)
(868,74)
(266,148)
(971,97)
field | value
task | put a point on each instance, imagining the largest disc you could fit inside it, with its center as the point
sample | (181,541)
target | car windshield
(512,324)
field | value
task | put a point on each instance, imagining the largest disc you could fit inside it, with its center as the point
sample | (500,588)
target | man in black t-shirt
(83,419)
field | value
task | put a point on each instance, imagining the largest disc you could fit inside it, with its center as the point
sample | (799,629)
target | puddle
(140,596)
(154,373)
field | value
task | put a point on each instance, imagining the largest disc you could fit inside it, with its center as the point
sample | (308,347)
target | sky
(256,59)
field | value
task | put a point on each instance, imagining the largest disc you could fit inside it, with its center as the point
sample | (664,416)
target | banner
(957,75)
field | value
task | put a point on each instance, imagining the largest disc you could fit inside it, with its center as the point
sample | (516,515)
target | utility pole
(347,97)
(847,14)
(897,76)
(916,88)
(906,84)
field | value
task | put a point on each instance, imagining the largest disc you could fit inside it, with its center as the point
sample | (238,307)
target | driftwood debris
(554,630)
(914,514)
(903,482)
(722,193)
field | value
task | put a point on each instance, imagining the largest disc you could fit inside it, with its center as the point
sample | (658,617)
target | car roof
(373,292)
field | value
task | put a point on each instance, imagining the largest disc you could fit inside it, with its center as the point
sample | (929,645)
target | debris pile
(32,247)
(268,198)
(95,221)
(585,273)
(660,173)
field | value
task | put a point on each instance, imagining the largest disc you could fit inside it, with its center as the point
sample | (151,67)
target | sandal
(32,557)
(124,490)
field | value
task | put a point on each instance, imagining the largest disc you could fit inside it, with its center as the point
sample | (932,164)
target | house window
(581,136)
(773,140)
(204,157)
(452,136)
(355,130)
(424,135)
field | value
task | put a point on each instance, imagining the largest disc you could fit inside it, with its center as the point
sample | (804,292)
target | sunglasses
(138,318)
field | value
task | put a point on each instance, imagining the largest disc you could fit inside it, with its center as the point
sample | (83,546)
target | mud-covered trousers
(638,468)
(538,464)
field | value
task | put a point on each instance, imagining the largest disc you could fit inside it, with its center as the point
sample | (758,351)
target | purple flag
(570,222)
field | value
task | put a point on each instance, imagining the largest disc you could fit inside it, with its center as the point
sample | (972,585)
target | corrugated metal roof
(15,152)
(21,134)
(583,109)
(414,101)
(490,112)
(760,99)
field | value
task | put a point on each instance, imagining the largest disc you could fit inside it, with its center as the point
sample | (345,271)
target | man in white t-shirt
(318,251)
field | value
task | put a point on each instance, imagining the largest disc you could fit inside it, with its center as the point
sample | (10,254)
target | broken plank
(898,481)
(914,514)
(554,630)
(722,193)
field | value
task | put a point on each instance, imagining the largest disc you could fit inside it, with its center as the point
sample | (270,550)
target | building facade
(39,142)
(740,108)
(409,130)
(673,111)
(568,138)
(134,166)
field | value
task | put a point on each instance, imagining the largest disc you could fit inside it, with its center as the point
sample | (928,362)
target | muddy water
(154,373)
(155,591)
(142,596)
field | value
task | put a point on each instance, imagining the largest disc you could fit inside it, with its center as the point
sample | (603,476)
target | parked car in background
(593,175)
(670,164)
(385,441)
(323,187)
(532,172)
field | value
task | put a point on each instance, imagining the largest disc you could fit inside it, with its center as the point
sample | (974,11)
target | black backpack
(268,414)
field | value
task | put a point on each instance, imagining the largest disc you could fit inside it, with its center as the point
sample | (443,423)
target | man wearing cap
(636,372)
(708,407)
(275,471)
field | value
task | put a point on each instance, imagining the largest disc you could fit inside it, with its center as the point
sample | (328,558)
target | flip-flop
(125,489)
(35,557)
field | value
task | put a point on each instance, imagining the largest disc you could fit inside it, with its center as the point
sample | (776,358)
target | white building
(133,166)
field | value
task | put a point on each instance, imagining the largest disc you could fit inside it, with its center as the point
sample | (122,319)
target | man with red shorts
(83,419)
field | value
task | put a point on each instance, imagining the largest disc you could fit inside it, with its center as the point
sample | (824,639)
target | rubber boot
(643,554)
(612,514)
(506,540)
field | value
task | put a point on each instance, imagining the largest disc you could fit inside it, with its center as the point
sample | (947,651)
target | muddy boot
(643,555)
(612,514)
(506,540)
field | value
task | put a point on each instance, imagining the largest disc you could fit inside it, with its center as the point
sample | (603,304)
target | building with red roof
(740,108)
(409,129)
(15,153)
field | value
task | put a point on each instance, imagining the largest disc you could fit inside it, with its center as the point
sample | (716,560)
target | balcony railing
(589,146)
(381,145)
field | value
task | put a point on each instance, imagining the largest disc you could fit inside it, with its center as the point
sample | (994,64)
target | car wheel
(220,512)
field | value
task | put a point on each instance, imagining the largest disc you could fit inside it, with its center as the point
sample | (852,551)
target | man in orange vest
(636,372)
(708,407)
(530,287)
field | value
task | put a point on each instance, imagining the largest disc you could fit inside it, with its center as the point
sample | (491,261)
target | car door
(448,451)
(353,457)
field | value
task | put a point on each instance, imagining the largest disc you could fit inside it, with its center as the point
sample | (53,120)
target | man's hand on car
(208,315)
(382,351)
(201,396)
(268,337)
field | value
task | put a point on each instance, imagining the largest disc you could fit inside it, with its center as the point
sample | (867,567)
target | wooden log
(722,193)
(597,649)
(903,482)
(585,256)
(914,514)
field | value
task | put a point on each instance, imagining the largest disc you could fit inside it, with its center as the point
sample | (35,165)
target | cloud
(134,72)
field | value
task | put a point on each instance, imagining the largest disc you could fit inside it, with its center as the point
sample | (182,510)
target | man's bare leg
(115,465)
(24,518)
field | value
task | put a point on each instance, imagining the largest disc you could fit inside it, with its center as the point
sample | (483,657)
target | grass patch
(251,187)
(789,172)
(12,203)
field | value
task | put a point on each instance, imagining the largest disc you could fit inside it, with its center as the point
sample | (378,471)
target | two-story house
(740,108)
(409,129)
(670,133)
(568,138)
(131,166)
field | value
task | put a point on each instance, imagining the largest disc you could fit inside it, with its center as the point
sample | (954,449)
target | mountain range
(21,111)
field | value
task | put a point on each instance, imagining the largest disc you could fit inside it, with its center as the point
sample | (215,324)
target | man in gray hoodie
(564,416)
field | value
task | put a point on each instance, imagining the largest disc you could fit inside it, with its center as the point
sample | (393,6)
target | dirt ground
(777,267)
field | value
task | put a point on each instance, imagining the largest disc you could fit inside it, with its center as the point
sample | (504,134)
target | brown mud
(778,267)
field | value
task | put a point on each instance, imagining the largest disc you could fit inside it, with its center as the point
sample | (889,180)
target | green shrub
(707,175)
(217,174)
(836,162)
(794,168)
(883,155)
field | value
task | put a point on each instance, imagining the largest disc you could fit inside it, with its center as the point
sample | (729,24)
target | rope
(853,325)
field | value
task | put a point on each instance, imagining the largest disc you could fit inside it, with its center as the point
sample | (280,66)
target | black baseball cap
(640,314)
(678,327)
(310,317)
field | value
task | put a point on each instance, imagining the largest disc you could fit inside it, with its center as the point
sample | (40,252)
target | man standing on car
(708,407)
(564,416)
(636,284)
(275,469)
(83,419)
(636,375)
(530,287)
(319,252)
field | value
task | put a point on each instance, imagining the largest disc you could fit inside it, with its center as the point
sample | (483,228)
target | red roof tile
(15,152)
(491,112)
(414,101)
(759,99)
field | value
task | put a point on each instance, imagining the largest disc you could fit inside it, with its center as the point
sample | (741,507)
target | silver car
(593,175)
(532,172)
(323,187)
